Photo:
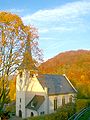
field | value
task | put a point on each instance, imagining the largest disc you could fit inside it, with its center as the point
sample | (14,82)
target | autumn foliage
(76,65)
(14,51)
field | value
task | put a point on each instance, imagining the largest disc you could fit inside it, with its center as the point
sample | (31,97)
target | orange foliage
(12,85)
(75,64)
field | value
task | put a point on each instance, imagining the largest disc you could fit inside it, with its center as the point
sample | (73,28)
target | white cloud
(61,28)
(66,18)
(56,29)
(66,12)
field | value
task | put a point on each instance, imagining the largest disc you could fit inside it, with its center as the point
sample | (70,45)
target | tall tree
(14,37)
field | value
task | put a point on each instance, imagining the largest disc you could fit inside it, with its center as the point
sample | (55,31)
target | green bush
(68,109)
(82,103)
(11,108)
(62,113)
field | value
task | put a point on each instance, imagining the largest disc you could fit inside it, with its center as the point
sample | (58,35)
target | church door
(32,114)
(20,113)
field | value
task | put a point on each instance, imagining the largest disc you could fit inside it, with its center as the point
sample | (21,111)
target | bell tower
(24,75)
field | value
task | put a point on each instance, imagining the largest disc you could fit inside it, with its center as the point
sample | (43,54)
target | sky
(63,25)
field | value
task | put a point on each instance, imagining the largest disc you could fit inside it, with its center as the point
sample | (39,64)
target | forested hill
(76,65)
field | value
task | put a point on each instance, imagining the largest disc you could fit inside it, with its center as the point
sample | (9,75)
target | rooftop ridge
(69,82)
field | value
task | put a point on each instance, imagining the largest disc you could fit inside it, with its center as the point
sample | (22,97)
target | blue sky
(63,25)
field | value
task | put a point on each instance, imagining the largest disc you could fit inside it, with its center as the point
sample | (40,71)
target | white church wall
(27,88)
(51,104)
(35,86)
(26,91)
(20,103)
(59,100)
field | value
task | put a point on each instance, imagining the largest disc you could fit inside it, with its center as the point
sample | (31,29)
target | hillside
(76,65)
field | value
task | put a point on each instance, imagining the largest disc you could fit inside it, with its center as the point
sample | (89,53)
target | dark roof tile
(36,102)
(56,84)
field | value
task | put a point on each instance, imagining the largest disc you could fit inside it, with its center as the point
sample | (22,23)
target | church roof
(56,84)
(36,102)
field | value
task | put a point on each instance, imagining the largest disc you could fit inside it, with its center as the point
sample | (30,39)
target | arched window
(20,113)
(32,114)
(42,113)
(20,100)
(63,100)
(55,103)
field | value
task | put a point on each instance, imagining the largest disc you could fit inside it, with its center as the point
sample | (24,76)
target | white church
(40,94)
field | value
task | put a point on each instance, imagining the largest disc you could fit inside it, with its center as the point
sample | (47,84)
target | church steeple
(28,62)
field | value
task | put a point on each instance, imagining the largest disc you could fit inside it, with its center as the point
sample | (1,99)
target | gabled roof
(36,102)
(56,84)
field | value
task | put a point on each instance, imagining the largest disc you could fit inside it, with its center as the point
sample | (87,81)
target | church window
(20,100)
(55,103)
(42,113)
(63,100)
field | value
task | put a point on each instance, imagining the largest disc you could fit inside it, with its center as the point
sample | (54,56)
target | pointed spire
(28,62)
(28,45)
